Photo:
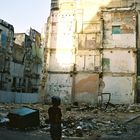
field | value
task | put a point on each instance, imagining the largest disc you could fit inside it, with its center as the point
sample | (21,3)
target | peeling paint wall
(119,27)
(119,61)
(89,38)
(18,65)
(20,39)
(60,85)
(87,60)
(122,88)
(36,60)
(119,55)
(27,62)
(6,46)
(86,88)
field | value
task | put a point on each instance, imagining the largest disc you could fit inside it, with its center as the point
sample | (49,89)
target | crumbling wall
(119,57)
(86,39)
(60,54)
(30,60)
(20,38)
(59,85)
(6,45)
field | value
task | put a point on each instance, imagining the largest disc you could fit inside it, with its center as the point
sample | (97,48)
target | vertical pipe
(102,37)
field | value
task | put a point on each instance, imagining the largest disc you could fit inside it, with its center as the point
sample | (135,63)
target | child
(55,119)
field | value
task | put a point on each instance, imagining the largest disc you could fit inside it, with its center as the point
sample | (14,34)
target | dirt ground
(86,121)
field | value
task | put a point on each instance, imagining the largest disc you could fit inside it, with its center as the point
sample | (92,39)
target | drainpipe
(102,37)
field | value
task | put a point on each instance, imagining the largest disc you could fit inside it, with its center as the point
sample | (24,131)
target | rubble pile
(84,120)
(89,120)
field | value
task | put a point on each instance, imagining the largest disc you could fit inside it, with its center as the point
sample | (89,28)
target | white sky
(23,14)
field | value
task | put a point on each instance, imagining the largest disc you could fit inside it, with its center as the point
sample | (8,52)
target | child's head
(56,101)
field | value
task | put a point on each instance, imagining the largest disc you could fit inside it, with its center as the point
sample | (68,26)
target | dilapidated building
(88,40)
(6,45)
(31,59)
(21,60)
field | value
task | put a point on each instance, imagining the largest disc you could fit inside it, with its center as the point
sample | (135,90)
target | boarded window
(116,30)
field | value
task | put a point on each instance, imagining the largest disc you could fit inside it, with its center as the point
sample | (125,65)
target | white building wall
(122,89)
(80,32)
(119,61)
(119,57)
(60,85)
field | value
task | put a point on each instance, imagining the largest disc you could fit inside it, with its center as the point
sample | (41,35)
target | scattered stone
(83,120)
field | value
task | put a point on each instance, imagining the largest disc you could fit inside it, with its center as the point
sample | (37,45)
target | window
(14,82)
(116,30)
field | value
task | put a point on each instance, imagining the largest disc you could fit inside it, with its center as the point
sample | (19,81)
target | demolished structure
(6,45)
(86,39)
(20,63)
(31,59)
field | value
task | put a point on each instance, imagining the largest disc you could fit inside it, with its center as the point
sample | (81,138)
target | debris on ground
(84,120)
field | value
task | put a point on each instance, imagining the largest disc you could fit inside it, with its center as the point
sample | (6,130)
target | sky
(23,14)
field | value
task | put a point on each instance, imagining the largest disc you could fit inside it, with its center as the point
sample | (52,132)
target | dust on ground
(85,120)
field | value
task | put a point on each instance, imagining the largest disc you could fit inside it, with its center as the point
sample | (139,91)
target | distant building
(6,45)
(21,60)
(31,60)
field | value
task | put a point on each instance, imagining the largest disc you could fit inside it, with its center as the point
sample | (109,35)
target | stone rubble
(82,120)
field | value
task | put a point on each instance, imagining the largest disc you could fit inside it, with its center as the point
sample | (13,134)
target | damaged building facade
(6,45)
(21,60)
(90,40)
(27,77)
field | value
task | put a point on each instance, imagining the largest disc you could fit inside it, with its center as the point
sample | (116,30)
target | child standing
(55,115)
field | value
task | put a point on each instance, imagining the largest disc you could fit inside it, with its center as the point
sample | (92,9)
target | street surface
(6,134)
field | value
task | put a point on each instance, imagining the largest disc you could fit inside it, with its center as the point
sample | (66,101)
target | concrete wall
(15,97)
(60,85)
(119,57)
(31,60)
(20,39)
(86,88)
(6,45)
(120,29)
(17,70)
(119,61)
(85,41)
(88,60)
(122,88)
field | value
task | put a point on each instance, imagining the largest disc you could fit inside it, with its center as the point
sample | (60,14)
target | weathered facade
(17,68)
(31,60)
(37,57)
(86,39)
(6,45)
(21,60)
